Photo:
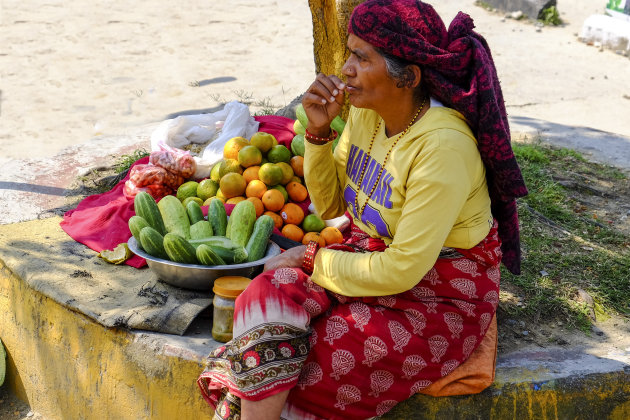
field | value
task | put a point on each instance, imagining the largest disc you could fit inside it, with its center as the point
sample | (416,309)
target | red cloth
(101,221)
(366,353)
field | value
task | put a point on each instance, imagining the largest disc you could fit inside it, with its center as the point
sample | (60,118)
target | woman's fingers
(327,88)
(322,102)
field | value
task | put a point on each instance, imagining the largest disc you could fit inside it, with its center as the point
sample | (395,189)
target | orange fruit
(232,147)
(331,235)
(293,232)
(283,190)
(277,220)
(235,200)
(297,179)
(313,223)
(273,200)
(258,205)
(297,192)
(263,141)
(249,156)
(313,236)
(256,188)
(297,163)
(270,173)
(229,166)
(279,153)
(251,173)
(232,184)
(292,213)
(287,172)
(220,195)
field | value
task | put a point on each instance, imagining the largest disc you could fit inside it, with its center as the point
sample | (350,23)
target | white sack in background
(233,120)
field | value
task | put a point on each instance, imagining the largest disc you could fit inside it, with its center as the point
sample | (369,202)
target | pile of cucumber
(168,230)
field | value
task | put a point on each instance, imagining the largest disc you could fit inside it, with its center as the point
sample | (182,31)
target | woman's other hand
(322,102)
(293,257)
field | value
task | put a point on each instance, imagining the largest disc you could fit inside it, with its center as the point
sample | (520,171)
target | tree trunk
(330,33)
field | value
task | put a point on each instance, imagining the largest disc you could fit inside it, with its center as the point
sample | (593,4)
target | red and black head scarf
(458,70)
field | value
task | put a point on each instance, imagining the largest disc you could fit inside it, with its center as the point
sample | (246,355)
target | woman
(350,332)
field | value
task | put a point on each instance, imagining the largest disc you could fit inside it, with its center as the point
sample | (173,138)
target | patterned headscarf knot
(458,70)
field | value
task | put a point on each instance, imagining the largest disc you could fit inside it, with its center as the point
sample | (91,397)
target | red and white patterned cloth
(347,357)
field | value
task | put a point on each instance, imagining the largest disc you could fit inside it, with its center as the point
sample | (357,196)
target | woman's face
(368,83)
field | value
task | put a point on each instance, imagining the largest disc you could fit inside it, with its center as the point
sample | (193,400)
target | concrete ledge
(68,366)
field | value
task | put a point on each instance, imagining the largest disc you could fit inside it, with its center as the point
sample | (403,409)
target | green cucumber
(201,229)
(241,222)
(146,207)
(136,224)
(207,256)
(194,212)
(152,242)
(217,217)
(179,249)
(174,216)
(257,244)
(224,248)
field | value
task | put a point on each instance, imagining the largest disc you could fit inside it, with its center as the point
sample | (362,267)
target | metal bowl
(196,276)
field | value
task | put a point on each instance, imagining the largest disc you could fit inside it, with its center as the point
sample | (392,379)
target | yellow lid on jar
(230,286)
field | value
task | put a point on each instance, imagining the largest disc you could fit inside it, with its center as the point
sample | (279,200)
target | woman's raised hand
(322,102)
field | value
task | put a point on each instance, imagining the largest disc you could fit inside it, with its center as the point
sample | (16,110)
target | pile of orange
(270,176)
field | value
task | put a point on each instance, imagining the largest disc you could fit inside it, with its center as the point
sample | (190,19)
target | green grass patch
(550,16)
(565,247)
(125,161)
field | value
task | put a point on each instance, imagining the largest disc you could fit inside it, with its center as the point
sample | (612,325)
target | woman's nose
(346,69)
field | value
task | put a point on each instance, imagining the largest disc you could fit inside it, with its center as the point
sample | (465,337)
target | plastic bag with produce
(143,175)
(156,191)
(174,160)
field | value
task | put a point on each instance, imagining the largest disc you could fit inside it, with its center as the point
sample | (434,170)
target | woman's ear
(417,75)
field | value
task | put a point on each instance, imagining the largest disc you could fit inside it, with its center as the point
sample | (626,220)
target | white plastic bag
(232,121)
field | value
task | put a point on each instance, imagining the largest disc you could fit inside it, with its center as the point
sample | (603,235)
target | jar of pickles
(226,290)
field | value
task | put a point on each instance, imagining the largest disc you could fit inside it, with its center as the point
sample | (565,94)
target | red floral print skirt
(348,357)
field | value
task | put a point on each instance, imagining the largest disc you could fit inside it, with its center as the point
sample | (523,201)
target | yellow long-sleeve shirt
(431,194)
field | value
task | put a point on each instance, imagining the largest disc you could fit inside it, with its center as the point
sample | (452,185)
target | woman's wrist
(309,256)
(320,137)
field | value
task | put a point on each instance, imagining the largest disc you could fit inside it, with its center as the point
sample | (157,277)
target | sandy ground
(71,71)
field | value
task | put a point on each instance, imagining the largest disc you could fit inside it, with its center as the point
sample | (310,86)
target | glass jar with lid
(226,289)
